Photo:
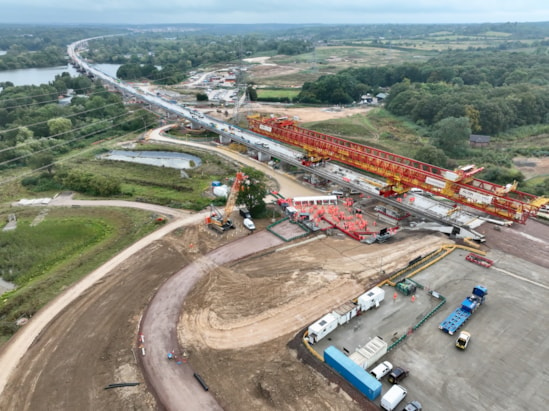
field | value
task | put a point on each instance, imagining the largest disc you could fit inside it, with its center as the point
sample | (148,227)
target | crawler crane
(221,222)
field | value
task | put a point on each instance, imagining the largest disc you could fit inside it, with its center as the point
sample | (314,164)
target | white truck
(381,370)
(393,397)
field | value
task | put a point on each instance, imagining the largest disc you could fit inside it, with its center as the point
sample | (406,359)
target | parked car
(463,340)
(413,406)
(244,213)
(381,370)
(397,375)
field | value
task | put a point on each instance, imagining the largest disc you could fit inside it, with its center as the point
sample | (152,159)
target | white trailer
(322,328)
(369,354)
(371,298)
(344,313)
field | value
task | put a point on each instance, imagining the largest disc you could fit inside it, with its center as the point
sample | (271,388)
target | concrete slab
(504,366)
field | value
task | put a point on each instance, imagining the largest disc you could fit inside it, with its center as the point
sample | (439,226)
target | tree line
(495,90)
(169,61)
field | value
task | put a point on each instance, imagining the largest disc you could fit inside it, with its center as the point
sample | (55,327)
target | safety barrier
(308,346)
(425,318)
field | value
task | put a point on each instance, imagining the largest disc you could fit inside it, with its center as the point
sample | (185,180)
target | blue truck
(457,318)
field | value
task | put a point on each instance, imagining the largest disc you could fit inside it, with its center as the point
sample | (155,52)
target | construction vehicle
(463,340)
(221,222)
(402,173)
(458,317)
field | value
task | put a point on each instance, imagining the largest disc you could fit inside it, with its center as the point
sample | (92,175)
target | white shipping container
(371,298)
(322,328)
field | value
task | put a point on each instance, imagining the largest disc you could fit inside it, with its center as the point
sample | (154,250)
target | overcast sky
(272,11)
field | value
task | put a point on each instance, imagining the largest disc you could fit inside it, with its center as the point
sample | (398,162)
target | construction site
(214,314)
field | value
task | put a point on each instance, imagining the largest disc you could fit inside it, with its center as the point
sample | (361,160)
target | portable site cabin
(371,298)
(322,328)
(369,354)
(314,200)
(345,312)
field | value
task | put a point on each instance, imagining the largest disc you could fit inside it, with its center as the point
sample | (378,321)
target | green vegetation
(40,46)
(137,182)
(276,95)
(68,244)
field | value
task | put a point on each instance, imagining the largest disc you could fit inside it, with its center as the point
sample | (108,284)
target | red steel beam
(457,186)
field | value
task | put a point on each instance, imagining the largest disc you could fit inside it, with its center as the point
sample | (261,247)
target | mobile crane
(221,222)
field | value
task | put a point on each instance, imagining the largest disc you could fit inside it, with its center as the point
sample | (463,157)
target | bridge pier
(224,139)
(195,125)
(263,157)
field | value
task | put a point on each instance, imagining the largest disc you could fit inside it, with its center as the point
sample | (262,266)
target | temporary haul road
(172,385)
(175,385)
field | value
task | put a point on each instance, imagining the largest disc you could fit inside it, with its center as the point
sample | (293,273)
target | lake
(154,158)
(37,76)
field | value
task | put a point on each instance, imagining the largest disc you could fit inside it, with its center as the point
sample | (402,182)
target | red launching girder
(403,173)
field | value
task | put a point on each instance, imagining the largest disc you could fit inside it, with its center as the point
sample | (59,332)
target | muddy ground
(93,343)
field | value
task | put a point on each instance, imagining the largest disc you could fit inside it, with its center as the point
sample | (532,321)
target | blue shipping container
(352,372)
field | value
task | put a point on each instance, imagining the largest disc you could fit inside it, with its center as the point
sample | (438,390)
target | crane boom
(233,195)
(402,173)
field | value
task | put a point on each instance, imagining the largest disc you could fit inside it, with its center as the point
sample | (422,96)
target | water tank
(221,191)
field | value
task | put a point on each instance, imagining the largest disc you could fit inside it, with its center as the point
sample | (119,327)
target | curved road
(175,385)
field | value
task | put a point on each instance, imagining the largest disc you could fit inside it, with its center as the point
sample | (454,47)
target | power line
(45,121)
(83,151)
(67,141)
(69,131)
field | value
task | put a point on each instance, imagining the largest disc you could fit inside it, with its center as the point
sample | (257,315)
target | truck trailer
(355,375)
(460,315)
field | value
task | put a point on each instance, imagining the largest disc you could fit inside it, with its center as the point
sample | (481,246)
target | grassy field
(159,185)
(45,259)
(377,128)
(277,93)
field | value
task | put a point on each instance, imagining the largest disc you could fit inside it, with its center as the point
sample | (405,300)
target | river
(37,76)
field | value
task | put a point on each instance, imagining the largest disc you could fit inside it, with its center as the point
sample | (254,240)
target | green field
(44,259)
(377,128)
(267,93)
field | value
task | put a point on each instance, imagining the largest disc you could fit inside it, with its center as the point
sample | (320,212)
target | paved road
(174,384)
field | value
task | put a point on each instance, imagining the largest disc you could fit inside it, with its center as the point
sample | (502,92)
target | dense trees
(33,123)
(451,135)
(494,90)
(253,192)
